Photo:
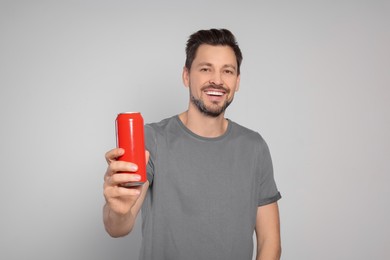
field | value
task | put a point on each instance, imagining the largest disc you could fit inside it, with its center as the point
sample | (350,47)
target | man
(210,181)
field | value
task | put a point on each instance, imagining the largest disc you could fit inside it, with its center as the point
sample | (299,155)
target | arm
(122,204)
(268,232)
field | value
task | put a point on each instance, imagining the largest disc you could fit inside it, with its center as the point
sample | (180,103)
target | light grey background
(315,83)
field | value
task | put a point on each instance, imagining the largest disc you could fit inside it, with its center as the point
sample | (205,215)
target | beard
(212,111)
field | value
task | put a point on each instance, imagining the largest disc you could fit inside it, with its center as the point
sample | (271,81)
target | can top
(129,113)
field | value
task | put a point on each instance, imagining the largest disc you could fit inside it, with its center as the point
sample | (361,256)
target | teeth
(214,93)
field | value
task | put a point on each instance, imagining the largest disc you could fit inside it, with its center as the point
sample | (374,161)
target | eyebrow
(208,64)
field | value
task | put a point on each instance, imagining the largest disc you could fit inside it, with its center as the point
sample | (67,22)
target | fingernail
(134,167)
(137,177)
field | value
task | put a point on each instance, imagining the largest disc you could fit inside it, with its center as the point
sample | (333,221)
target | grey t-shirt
(204,192)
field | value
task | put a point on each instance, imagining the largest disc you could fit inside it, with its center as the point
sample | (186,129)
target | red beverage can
(130,137)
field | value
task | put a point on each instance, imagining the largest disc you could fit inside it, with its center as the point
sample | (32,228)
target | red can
(130,137)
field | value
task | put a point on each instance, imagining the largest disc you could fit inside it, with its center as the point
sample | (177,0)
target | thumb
(147,155)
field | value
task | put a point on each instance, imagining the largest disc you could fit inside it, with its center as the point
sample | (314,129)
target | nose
(216,79)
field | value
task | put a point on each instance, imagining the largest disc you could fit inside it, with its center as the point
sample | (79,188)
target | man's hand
(122,203)
(120,199)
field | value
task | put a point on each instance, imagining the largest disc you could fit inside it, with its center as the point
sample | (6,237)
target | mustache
(215,86)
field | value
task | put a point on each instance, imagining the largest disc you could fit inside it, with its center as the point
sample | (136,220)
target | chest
(206,173)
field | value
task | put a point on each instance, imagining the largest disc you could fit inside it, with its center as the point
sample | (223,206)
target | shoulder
(242,132)
(250,139)
(161,125)
(161,128)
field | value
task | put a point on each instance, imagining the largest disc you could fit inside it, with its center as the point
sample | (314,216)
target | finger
(113,154)
(116,167)
(121,192)
(120,178)
(122,166)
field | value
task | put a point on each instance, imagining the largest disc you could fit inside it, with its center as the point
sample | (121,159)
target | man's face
(212,79)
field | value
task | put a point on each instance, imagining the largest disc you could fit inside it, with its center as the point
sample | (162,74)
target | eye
(204,69)
(229,72)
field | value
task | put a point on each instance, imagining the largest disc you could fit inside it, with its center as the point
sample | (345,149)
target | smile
(214,93)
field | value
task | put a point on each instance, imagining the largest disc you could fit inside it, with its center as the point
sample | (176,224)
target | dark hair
(212,37)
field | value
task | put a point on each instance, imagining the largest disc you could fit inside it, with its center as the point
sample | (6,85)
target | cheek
(200,77)
(230,80)
(233,85)
(196,82)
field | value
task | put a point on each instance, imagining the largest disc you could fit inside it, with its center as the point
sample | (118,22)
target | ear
(186,77)
(238,83)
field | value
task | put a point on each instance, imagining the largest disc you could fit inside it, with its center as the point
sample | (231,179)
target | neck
(204,125)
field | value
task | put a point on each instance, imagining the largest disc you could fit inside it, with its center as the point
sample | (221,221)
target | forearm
(268,232)
(269,250)
(115,224)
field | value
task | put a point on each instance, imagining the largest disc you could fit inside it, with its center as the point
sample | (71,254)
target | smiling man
(210,180)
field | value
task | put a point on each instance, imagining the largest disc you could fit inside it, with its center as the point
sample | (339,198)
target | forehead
(216,55)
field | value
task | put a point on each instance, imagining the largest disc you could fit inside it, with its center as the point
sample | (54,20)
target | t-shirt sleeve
(268,192)
(150,144)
